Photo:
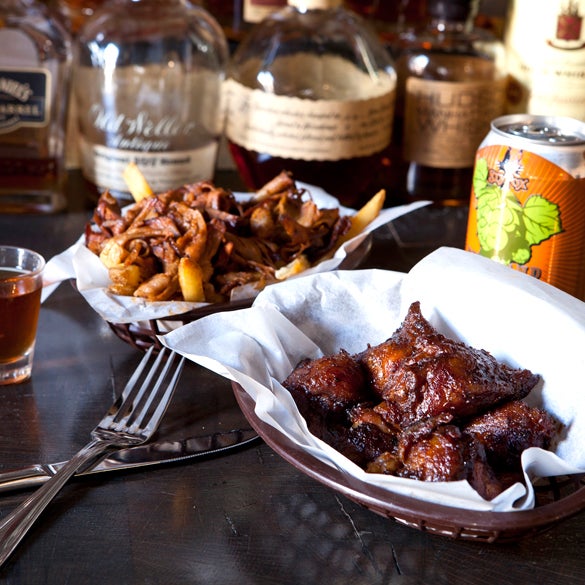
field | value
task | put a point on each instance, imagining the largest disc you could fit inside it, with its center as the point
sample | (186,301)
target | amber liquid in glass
(19,314)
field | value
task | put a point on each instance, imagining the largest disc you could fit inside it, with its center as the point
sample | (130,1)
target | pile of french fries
(130,271)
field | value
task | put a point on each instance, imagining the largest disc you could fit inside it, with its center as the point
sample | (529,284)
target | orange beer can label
(528,212)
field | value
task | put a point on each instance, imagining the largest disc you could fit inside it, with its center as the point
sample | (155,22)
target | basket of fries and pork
(200,244)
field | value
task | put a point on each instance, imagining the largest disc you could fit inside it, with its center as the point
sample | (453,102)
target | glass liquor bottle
(311,91)
(148,86)
(390,19)
(546,58)
(35,64)
(76,12)
(237,16)
(451,84)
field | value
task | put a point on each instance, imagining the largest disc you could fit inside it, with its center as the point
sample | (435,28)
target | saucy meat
(420,373)
(509,429)
(423,406)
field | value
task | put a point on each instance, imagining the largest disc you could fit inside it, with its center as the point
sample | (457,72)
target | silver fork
(131,420)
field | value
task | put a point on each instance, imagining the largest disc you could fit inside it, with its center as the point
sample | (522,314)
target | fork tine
(126,398)
(135,399)
(138,419)
(131,408)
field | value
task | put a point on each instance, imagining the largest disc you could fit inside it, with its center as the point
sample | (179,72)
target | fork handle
(14,527)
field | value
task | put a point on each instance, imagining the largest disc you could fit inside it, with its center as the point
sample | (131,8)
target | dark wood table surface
(245,517)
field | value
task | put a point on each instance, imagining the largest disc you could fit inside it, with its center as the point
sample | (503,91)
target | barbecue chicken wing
(420,373)
(509,429)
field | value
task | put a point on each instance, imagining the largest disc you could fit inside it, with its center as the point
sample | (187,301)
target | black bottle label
(24,98)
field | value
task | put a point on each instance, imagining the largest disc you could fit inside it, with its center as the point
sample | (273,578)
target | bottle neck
(452,15)
(314,4)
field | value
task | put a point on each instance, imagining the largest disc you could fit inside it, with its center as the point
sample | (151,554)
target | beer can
(527,206)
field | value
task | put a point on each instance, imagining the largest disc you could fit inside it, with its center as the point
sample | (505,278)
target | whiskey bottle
(451,84)
(148,85)
(311,91)
(35,64)
(390,19)
(236,17)
(76,12)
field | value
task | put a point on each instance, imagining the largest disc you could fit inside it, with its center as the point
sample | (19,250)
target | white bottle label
(167,121)
(445,121)
(163,170)
(546,57)
(309,129)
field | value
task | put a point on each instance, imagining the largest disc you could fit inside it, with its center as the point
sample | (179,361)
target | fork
(131,420)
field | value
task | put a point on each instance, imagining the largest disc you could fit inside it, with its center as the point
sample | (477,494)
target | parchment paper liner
(521,321)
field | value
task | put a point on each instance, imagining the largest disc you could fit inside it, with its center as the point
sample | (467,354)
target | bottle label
(165,120)
(546,58)
(139,130)
(257,10)
(315,4)
(303,129)
(163,171)
(25,96)
(445,121)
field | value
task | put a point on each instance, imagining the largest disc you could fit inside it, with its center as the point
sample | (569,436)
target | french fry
(364,216)
(191,281)
(137,184)
(295,266)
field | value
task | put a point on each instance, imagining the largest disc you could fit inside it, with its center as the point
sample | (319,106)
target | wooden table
(246,517)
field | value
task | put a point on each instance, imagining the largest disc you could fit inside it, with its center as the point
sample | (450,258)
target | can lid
(544,129)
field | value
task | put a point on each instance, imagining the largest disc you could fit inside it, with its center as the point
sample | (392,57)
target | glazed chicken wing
(325,391)
(327,387)
(421,373)
(509,429)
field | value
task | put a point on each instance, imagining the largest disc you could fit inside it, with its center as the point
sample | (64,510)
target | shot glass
(20,302)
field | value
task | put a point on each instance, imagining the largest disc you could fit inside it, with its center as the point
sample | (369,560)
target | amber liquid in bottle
(35,65)
(451,85)
(351,180)
(32,174)
(76,12)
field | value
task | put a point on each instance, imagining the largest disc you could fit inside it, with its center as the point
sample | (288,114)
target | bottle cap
(314,4)
(456,10)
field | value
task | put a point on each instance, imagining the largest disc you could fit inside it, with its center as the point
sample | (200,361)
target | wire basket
(557,498)
(145,334)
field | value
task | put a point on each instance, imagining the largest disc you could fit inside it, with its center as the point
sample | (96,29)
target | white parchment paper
(92,279)
(521,321)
